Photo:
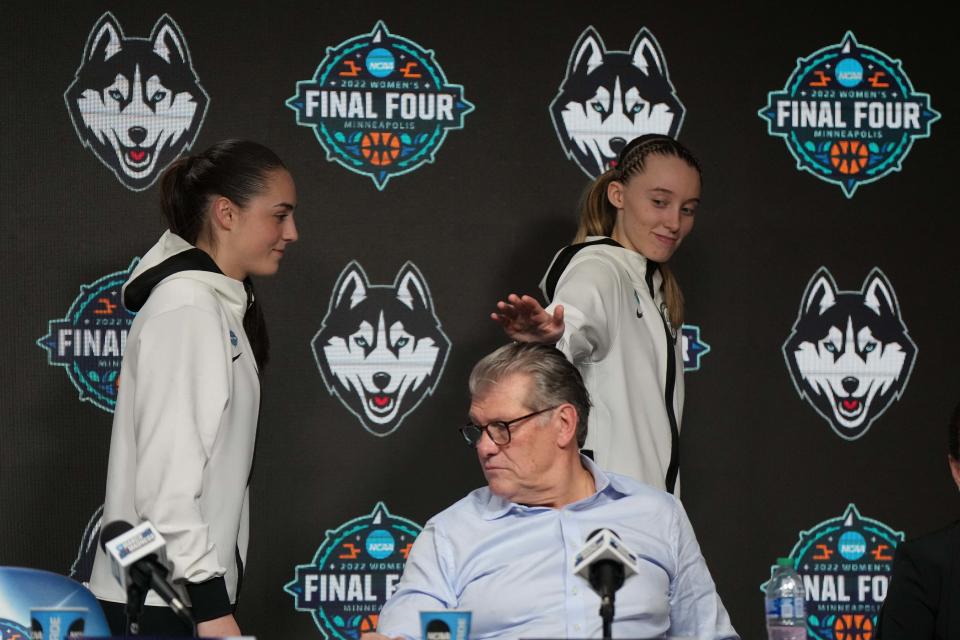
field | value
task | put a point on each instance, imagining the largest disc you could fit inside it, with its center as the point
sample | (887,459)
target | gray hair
(555,380)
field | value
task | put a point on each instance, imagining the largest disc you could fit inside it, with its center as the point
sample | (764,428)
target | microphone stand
(141,581)
(606,614)
(135,599)
(606,577)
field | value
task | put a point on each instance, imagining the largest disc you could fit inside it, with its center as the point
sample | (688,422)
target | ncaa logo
(380,544)
(381,349)
(89,341)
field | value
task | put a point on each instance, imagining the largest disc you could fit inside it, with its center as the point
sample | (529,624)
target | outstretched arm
(524,320)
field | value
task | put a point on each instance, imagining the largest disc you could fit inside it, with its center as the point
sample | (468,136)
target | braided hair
(598,215)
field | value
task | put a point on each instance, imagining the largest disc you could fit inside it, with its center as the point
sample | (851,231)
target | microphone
(605,562)
(139,562)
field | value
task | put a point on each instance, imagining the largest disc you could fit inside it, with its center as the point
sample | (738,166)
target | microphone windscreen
(597,532)
(112,530)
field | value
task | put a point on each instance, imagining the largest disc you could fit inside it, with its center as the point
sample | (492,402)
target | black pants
(154,621)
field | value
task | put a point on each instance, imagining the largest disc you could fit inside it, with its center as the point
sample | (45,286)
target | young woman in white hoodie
(616,309)
(185,424)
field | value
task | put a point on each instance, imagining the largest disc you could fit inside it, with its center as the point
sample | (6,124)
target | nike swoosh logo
(237,356)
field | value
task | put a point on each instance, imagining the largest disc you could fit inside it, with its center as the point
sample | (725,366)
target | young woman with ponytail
(616,308)
(181,449)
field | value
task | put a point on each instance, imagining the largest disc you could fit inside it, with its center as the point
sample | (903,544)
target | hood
(174,257)
(633,262)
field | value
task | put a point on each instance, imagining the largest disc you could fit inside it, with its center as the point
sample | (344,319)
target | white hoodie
(183,435)
(618,336)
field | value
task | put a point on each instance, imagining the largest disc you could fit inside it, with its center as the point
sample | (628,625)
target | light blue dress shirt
(512,567)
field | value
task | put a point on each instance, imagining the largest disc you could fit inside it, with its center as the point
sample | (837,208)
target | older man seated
(506,551)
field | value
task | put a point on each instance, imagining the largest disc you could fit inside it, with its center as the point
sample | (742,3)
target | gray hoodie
(185,424)
(617,333)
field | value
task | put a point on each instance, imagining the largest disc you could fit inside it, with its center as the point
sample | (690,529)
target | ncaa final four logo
(353,573)
(90,339)
(136,103)
(845,563)
(380,105)
(849,114)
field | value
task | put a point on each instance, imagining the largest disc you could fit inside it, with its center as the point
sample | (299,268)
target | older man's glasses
(499,431)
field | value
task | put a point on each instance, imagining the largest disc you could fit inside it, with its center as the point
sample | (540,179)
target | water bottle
(784,598)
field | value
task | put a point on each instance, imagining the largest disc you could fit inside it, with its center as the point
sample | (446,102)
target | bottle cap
(785,562)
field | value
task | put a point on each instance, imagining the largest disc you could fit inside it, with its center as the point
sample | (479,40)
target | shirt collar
(608,487)
(638,262)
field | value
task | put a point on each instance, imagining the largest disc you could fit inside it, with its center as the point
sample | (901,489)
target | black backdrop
(759,465)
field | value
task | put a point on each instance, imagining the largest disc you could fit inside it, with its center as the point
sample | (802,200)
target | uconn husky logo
(611,97)
(849,354)
(381,349)
(136,102)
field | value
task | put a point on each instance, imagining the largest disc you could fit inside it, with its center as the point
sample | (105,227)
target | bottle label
(785,607)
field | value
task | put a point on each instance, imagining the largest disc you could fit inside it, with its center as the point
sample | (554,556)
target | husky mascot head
(611,97)
(849,353)
(136,102)
(381,349)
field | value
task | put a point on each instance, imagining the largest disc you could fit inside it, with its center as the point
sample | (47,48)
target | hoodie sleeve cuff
(209,599)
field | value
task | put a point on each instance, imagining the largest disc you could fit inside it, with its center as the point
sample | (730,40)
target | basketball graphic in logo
(380,148)
(849,156)
(369,623)
(854,626)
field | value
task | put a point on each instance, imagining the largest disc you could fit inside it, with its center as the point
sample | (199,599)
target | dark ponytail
(234,169)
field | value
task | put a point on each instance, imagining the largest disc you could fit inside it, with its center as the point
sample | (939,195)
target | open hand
(524,320)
